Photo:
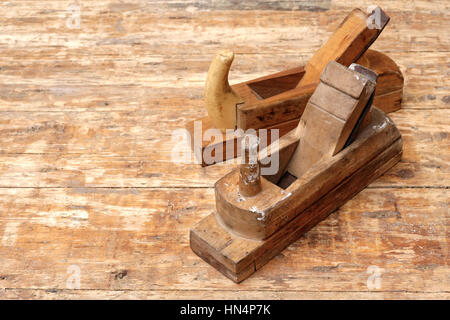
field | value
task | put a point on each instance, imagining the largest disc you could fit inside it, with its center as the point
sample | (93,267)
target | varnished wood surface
(86,174)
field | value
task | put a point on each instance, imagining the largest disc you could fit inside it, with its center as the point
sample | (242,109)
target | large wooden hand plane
(323,163)
(277,101)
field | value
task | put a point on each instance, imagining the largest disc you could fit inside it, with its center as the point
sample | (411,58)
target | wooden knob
(250,174)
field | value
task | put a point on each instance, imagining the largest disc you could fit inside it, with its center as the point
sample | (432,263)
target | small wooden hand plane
(340,145)
(277,101)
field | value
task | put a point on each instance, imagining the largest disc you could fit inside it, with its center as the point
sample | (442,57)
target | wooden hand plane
(340,145)
(277,101)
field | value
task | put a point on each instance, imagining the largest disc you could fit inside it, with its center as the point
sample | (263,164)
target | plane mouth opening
(286,180)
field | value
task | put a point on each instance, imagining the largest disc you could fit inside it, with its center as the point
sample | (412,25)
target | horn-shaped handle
(220,99)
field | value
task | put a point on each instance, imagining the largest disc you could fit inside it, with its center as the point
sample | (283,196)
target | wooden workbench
(86,177)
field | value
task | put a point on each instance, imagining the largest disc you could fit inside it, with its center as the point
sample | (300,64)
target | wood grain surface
(86,177)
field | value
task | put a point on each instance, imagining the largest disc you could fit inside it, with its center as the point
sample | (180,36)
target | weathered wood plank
(57,294)
(135,239)
(149,25)
(121,149)
(426,85)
